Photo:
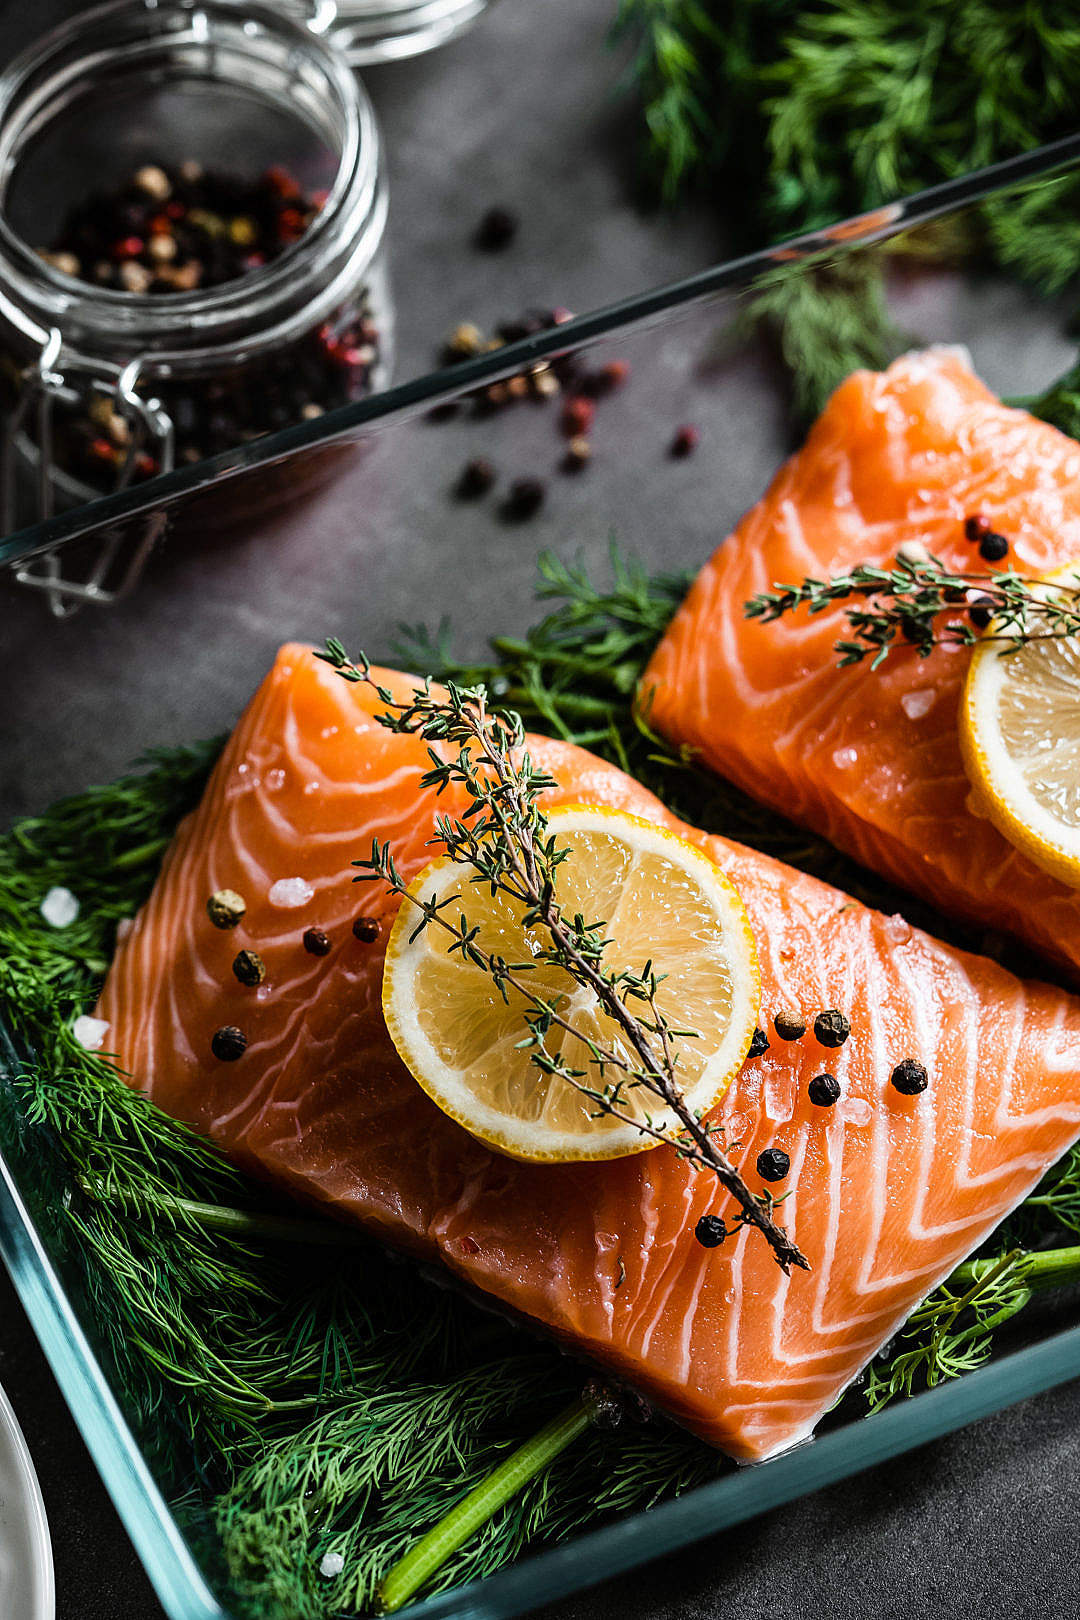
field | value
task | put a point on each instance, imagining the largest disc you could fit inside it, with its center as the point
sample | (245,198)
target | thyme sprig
(904,605)
(503,837)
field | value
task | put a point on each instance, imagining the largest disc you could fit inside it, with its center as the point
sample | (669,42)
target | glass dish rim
(432,388)
(596,1555)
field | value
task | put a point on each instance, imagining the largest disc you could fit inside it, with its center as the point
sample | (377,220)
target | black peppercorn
(789,1025)
(477,477)
(710,1231)
(823,1090)
(993,547)
(225,908)
(909,1078)
(831,1028)
(773,1164)
(249,968)
(976,526)
(496,230)
(228,1043)
(981,611)
(759,1044)
(524,500)
(684,443)
(366,929)
(316,942)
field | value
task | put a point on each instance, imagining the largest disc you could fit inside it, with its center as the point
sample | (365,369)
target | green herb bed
(298,1392)
(789,114)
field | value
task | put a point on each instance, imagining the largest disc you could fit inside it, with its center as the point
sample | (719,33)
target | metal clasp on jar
(62,377)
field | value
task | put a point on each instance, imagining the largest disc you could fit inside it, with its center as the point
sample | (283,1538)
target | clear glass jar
(371,31)
(236,88)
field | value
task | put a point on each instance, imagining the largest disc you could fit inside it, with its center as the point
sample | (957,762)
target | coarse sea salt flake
(123,929)
(918,704)
(857,1111)
(90,1032)
(60,908)
(290,893)
(332,1564)
(845,758)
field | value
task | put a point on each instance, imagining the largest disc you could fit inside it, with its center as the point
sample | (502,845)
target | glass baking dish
(351,561)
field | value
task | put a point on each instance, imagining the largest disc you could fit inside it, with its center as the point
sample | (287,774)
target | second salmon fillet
(871,760)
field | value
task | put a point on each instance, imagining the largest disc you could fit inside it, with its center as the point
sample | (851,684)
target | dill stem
(420,1563)
(580,704)
(1037,1268)
(238,1223)
(143,852)
(276,1228)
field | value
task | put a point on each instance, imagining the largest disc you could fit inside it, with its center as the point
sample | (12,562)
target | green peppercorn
(710,1231)
(773,1164)
(909,1078)
(789,1025)
(249,968)
(823,1090)
(831,1028)
(225,908)
(228,1043)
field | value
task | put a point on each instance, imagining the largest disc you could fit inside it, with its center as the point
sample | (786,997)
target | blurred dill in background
(789,114)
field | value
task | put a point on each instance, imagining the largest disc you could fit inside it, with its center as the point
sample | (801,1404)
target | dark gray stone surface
(521,112)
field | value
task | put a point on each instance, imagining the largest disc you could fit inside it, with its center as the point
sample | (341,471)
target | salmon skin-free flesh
(887,1192)
(871,759)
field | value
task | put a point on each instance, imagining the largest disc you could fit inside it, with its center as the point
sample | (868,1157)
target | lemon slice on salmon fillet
(1020,738)
(661,900)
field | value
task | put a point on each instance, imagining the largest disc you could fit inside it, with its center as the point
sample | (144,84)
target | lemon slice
(661,900)
(1020,738)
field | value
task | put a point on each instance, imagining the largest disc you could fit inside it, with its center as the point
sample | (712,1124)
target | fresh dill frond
(1059,404)
(870,99)
(823,322)
(951,1332)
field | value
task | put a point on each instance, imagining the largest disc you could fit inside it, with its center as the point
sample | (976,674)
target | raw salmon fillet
(889,1193)
(872,760)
